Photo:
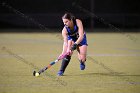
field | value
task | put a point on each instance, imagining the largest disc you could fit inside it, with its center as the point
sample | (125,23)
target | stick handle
(52,63)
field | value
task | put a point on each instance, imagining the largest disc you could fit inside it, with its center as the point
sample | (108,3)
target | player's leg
(82,51)
(66,60)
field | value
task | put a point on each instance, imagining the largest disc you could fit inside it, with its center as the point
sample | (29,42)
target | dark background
(43,14)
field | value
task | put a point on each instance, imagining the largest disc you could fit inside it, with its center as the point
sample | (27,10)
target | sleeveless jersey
(74,35)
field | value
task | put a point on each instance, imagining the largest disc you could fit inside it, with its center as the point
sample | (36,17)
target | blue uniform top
(73,34)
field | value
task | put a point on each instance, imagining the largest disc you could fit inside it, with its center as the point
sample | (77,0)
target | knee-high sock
(65,63)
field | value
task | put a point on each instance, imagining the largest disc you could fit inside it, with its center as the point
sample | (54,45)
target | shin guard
(65,63)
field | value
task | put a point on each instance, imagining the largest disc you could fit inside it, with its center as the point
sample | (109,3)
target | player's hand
(69,52)
(61,56)
(74,47)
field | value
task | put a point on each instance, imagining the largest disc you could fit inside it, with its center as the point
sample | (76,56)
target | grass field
(112,66)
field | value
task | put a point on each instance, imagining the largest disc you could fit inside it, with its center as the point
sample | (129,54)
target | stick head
(35,73)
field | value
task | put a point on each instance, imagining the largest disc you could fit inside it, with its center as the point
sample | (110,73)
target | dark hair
(69,16)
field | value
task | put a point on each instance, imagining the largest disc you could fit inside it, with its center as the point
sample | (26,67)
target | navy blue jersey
(73,34)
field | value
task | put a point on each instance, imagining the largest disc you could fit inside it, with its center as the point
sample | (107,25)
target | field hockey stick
(51,64)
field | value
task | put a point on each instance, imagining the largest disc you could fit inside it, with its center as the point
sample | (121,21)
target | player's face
(67,22)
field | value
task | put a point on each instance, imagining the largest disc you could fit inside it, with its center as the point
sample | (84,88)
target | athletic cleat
(82,65)
(60,73)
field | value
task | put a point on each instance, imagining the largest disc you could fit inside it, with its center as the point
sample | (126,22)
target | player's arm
(80,31)
(81,34)
(65,43)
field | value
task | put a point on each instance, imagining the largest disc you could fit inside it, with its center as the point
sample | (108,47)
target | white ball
(36,74)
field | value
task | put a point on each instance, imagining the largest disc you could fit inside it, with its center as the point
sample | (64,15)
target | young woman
(74,38)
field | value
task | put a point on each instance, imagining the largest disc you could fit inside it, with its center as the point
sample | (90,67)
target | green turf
(112,66)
